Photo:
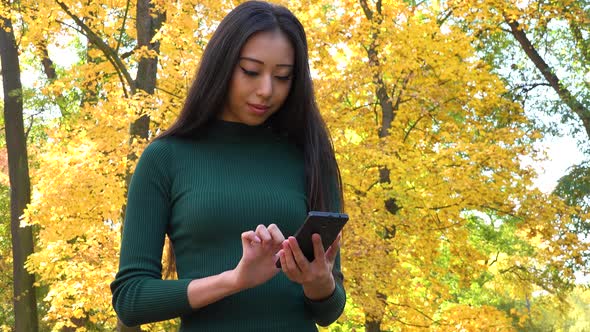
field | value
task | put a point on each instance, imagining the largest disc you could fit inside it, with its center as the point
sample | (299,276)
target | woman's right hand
(259,255)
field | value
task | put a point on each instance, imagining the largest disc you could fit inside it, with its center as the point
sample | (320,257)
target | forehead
(271,47)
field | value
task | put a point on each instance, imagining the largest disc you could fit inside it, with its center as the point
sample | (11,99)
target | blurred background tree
(432,105)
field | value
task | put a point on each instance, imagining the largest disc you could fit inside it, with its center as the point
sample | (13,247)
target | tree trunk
(25,304)
(147,26)
(389,107)
(372,325)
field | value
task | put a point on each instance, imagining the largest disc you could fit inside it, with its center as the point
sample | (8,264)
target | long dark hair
(299,117)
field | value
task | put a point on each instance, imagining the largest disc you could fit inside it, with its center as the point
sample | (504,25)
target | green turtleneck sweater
(204,193)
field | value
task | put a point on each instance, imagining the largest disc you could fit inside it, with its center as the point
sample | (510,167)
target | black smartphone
(326,224)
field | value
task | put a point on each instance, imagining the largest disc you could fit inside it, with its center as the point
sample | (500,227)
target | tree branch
(410,307)
(584,47)
(128,54)
(123,26)
(48,65)
(387,107)
(442,20)
(495,259)
(71,27)
(108,51)
(407,134)
(410,324)
(366,9)
(564,94)
(31,120)
(529,87)
(508,213)
(168,93)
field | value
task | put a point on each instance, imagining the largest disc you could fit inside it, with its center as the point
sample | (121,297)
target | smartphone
(326,224)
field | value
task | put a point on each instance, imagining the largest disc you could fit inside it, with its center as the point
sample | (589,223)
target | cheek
(236,91)
(283,91)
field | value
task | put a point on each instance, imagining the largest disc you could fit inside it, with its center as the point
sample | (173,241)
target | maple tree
(539,48)
(445,226)
(425,134)
(542,45)
(24,298)
(89,155)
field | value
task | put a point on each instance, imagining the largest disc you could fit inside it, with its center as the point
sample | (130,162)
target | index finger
(250,238)
(276,234)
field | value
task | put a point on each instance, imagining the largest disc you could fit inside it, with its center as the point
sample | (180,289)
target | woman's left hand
(315,276)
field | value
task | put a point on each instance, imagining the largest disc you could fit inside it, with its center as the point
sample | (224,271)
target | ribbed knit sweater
(204,193)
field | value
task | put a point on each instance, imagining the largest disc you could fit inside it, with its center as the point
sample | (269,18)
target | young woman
(247,158)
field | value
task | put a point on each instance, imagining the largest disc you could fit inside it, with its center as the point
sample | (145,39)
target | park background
(442,113)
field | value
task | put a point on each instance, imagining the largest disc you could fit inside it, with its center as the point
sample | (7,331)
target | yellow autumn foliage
(453,146)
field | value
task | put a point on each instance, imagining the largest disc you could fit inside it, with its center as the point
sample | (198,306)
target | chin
(253,121)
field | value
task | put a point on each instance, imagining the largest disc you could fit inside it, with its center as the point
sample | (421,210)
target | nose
(264,88)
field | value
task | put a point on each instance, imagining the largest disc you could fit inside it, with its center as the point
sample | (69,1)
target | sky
(562,152)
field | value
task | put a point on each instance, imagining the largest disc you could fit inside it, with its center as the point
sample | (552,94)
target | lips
(258,108)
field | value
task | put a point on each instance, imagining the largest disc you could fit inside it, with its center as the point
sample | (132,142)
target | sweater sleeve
(327,311)
(139,293)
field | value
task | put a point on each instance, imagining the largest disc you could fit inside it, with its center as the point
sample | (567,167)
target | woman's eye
(249,73)
(255,73)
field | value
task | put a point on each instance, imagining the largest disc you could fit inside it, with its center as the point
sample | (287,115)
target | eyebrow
(262,62)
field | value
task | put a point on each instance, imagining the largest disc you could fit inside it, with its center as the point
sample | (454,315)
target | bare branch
(410,324)
(169,93)
(356,190)
(495,259)
(363,106)
(529,87)
(412,127)
(442,20)
(122,26)
(127,54)
(410,307)
(30,127)
(77,29)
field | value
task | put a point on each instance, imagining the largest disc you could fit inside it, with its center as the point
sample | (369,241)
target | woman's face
(261,80)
